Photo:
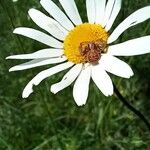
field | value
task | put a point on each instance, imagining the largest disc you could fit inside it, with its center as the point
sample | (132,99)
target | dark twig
(130,107)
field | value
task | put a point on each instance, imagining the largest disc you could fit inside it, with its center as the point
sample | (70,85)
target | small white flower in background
(86,48)
(15,1)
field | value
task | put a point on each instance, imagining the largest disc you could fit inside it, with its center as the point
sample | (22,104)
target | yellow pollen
(82,33)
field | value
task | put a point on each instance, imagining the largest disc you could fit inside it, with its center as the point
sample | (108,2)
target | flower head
(86,48)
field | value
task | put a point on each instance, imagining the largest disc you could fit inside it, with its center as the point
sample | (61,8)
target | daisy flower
(86,49)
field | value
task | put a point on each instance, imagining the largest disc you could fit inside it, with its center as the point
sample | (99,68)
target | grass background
(53,122)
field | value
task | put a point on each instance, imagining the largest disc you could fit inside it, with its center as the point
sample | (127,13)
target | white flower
(83,47)
(14,1)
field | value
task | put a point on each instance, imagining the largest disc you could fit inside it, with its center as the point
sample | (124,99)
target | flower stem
(130,107)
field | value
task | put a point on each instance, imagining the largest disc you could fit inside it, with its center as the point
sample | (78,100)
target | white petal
(116,66)
(135,18)
(42,75)
(132,47)
(44,53)
(37,63)
(67,80)
(102,80)
(100,10)
(71,10)
(91,10)
(57,14)
(81,86)
(108,11)
(39,36)
(115,12)
(48,24)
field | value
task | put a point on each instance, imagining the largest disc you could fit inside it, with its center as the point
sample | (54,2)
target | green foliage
(53,122)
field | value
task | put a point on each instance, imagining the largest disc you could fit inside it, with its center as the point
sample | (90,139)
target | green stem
(130,107)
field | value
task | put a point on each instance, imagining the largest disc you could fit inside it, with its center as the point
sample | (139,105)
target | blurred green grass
(53,122)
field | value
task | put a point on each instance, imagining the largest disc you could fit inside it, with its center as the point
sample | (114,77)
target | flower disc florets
(85,43)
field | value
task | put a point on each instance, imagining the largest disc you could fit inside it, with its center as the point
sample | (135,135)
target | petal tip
(26,93)
(110,94)
(15,68)
(53,90)
(41,1)
(12,69)
(131,74)
(15,30)
(9,57)
(80,105)
(24,96)
(31,11)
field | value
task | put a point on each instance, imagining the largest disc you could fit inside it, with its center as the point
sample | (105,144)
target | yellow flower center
(85,43)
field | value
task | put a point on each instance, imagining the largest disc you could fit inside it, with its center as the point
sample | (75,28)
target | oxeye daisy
(86,48)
